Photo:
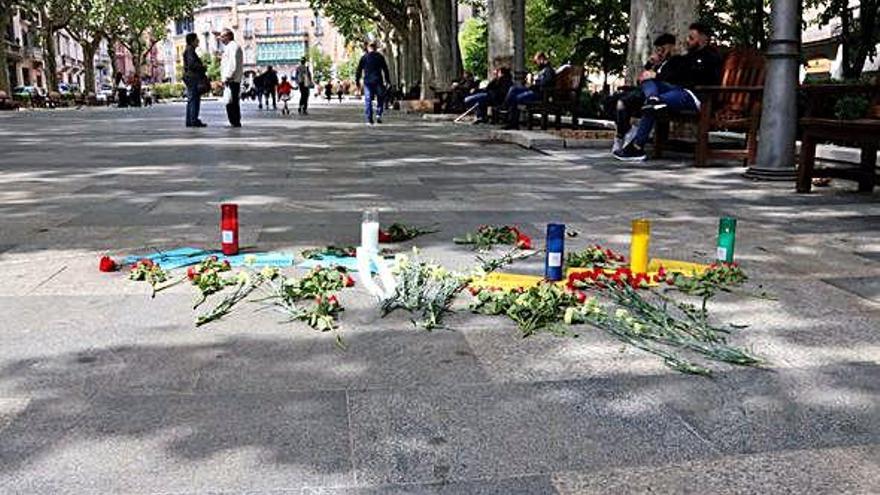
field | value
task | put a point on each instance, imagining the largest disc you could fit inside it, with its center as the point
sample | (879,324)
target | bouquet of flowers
(487,236)
(398,232)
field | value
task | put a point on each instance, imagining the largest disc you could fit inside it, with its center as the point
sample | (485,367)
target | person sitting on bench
(700,66)
(493,95)
(518,95)
(624,105)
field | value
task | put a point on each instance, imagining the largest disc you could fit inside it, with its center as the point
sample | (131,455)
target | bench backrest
(567,83)
(741,67)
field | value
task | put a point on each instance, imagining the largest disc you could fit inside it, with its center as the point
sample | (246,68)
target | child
(284,90)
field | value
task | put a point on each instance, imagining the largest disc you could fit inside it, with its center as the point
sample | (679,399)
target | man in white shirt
(231,71)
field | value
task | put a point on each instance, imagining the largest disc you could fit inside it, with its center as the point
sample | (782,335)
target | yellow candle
(639,244)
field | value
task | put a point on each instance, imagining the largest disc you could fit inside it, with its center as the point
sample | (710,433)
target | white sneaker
(618,145)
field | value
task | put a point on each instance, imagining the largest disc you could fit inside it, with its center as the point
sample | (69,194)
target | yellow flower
(569,315)
(269,272)
(243,278)
(250,259)
(621,313)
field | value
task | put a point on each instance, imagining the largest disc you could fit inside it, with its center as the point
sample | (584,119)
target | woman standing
(194,76)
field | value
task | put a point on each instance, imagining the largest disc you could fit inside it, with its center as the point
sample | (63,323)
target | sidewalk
(103,390)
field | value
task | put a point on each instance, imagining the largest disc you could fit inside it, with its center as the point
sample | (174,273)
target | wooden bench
(563,98)
(734,105)
(820,125)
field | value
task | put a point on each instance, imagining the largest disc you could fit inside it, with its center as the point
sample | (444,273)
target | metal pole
(776,146)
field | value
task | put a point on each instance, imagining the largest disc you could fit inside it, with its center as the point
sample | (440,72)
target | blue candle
(555,251)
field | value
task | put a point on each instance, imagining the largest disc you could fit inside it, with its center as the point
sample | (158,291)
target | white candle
(370,231)
(370,236)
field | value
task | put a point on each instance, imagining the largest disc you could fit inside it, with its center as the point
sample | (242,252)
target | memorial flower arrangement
(145,270)
(207,277)
(313,299)
(398,232)
(487,236)
(592,256)
(424,288)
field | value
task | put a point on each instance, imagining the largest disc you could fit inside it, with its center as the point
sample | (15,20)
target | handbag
(226,99)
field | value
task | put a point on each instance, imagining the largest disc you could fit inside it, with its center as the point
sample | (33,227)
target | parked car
(66,89)
(105,93)
(27,91)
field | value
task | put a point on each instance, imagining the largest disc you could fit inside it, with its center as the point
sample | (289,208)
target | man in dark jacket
(672,88)
(519,95)
(623,105)
(270,83)
(194,75)
(374,69)
(494,93)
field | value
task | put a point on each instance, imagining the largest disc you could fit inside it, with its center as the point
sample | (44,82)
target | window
(296,24)
(269,25)
(319,28)
(248,27)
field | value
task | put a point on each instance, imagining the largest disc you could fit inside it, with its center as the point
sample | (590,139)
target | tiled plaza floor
(103,390)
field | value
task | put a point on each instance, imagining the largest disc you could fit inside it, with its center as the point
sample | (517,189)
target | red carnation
(146,262)
(581,297)
(348,282)
(107,264)
(332,301)
(191,273)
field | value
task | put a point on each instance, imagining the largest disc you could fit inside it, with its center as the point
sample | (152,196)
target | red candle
(229,228)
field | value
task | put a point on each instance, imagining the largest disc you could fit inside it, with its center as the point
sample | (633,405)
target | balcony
(33,52)
(13,49)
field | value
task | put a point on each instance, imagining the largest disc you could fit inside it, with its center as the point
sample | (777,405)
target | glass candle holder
(639,245)
(726,239)
(555,251)
(229,228)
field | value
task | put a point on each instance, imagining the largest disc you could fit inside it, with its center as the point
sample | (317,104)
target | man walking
(194,76)
(671,88)
(374,69)
(304,82)
(231,72)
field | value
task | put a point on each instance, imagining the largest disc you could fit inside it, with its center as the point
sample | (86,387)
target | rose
(107,264)
(349,282)
(191,273)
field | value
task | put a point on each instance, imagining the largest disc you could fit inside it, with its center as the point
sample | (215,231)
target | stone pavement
(103,390)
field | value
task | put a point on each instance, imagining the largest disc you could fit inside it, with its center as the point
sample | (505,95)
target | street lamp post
(776,147)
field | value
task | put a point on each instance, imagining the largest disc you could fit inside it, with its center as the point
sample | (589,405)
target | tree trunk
(441,40)
(650,18)
(868,31)
(5,84)
(846,39)
(89,49)
(413,49)
(49,62)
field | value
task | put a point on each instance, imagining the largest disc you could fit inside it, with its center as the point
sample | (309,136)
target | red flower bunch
(107,264)
(398,232)
(599,278)
(522,241)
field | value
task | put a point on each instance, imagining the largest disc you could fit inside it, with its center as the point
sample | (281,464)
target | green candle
(726,239)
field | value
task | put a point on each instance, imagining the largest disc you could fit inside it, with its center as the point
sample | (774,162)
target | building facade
(24,54)
(277,34)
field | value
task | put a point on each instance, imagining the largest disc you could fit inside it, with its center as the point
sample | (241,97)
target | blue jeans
(675,98)
(481,100)
(516,96)
(193,104)
(370,91)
